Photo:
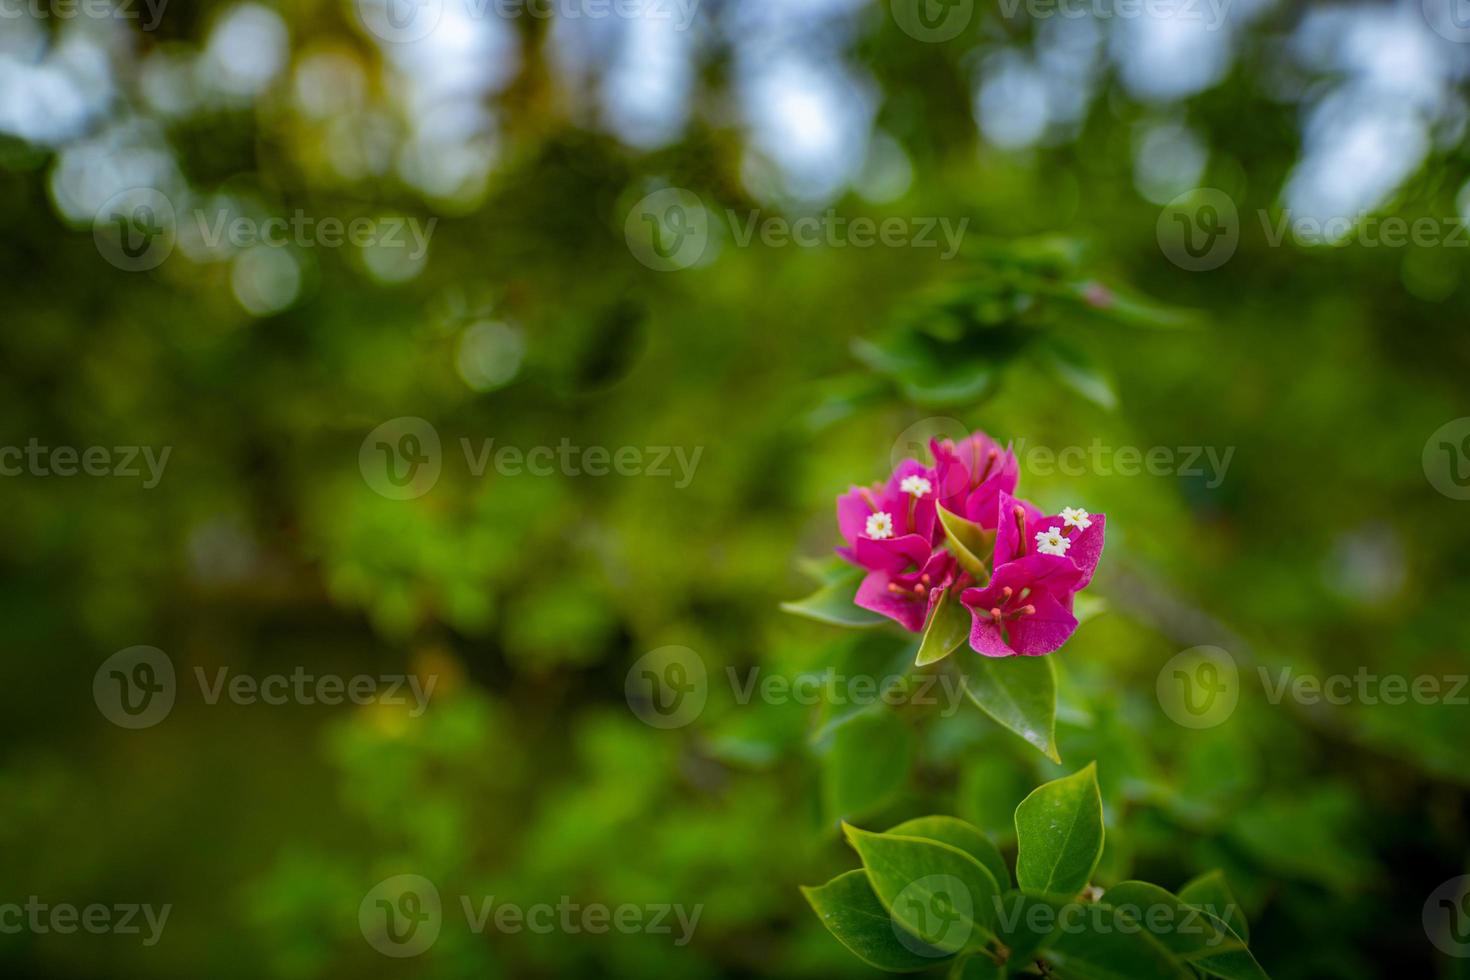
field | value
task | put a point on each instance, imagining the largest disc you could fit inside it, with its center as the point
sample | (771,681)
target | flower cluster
(957,527)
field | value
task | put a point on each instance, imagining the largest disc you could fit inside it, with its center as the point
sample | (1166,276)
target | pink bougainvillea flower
(904,507)
(1026,609)
(906,595)
(972,475)
(1073,534)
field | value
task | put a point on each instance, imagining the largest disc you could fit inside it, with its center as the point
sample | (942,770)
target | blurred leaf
(867,764)
(833,604)
(1077,371)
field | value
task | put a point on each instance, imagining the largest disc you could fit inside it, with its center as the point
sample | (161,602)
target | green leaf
(970,544)
(1077,371)
(1059,835)
(851,912)
(829,570)
(957,833)
(1189,933)
(1096,944)
(832,603)
(964,384)
(1124,306)
(937,892)
(1018,692)
(867,764)
(949,626)
(1210,892)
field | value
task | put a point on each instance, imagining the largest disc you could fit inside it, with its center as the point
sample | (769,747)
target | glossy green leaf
(1094,943)
(939,893)
(832,603)
(851,912)
(970,544)
(949,627)
(1018,692)
(866,765)
(1211,892)
(957,833)
(1059,835)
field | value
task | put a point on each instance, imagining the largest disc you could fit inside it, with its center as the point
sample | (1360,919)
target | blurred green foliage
(1321,548)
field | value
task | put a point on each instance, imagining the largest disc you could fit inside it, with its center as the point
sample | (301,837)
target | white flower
(1076,517)
(880,525)
(1050,542)
(916,486)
